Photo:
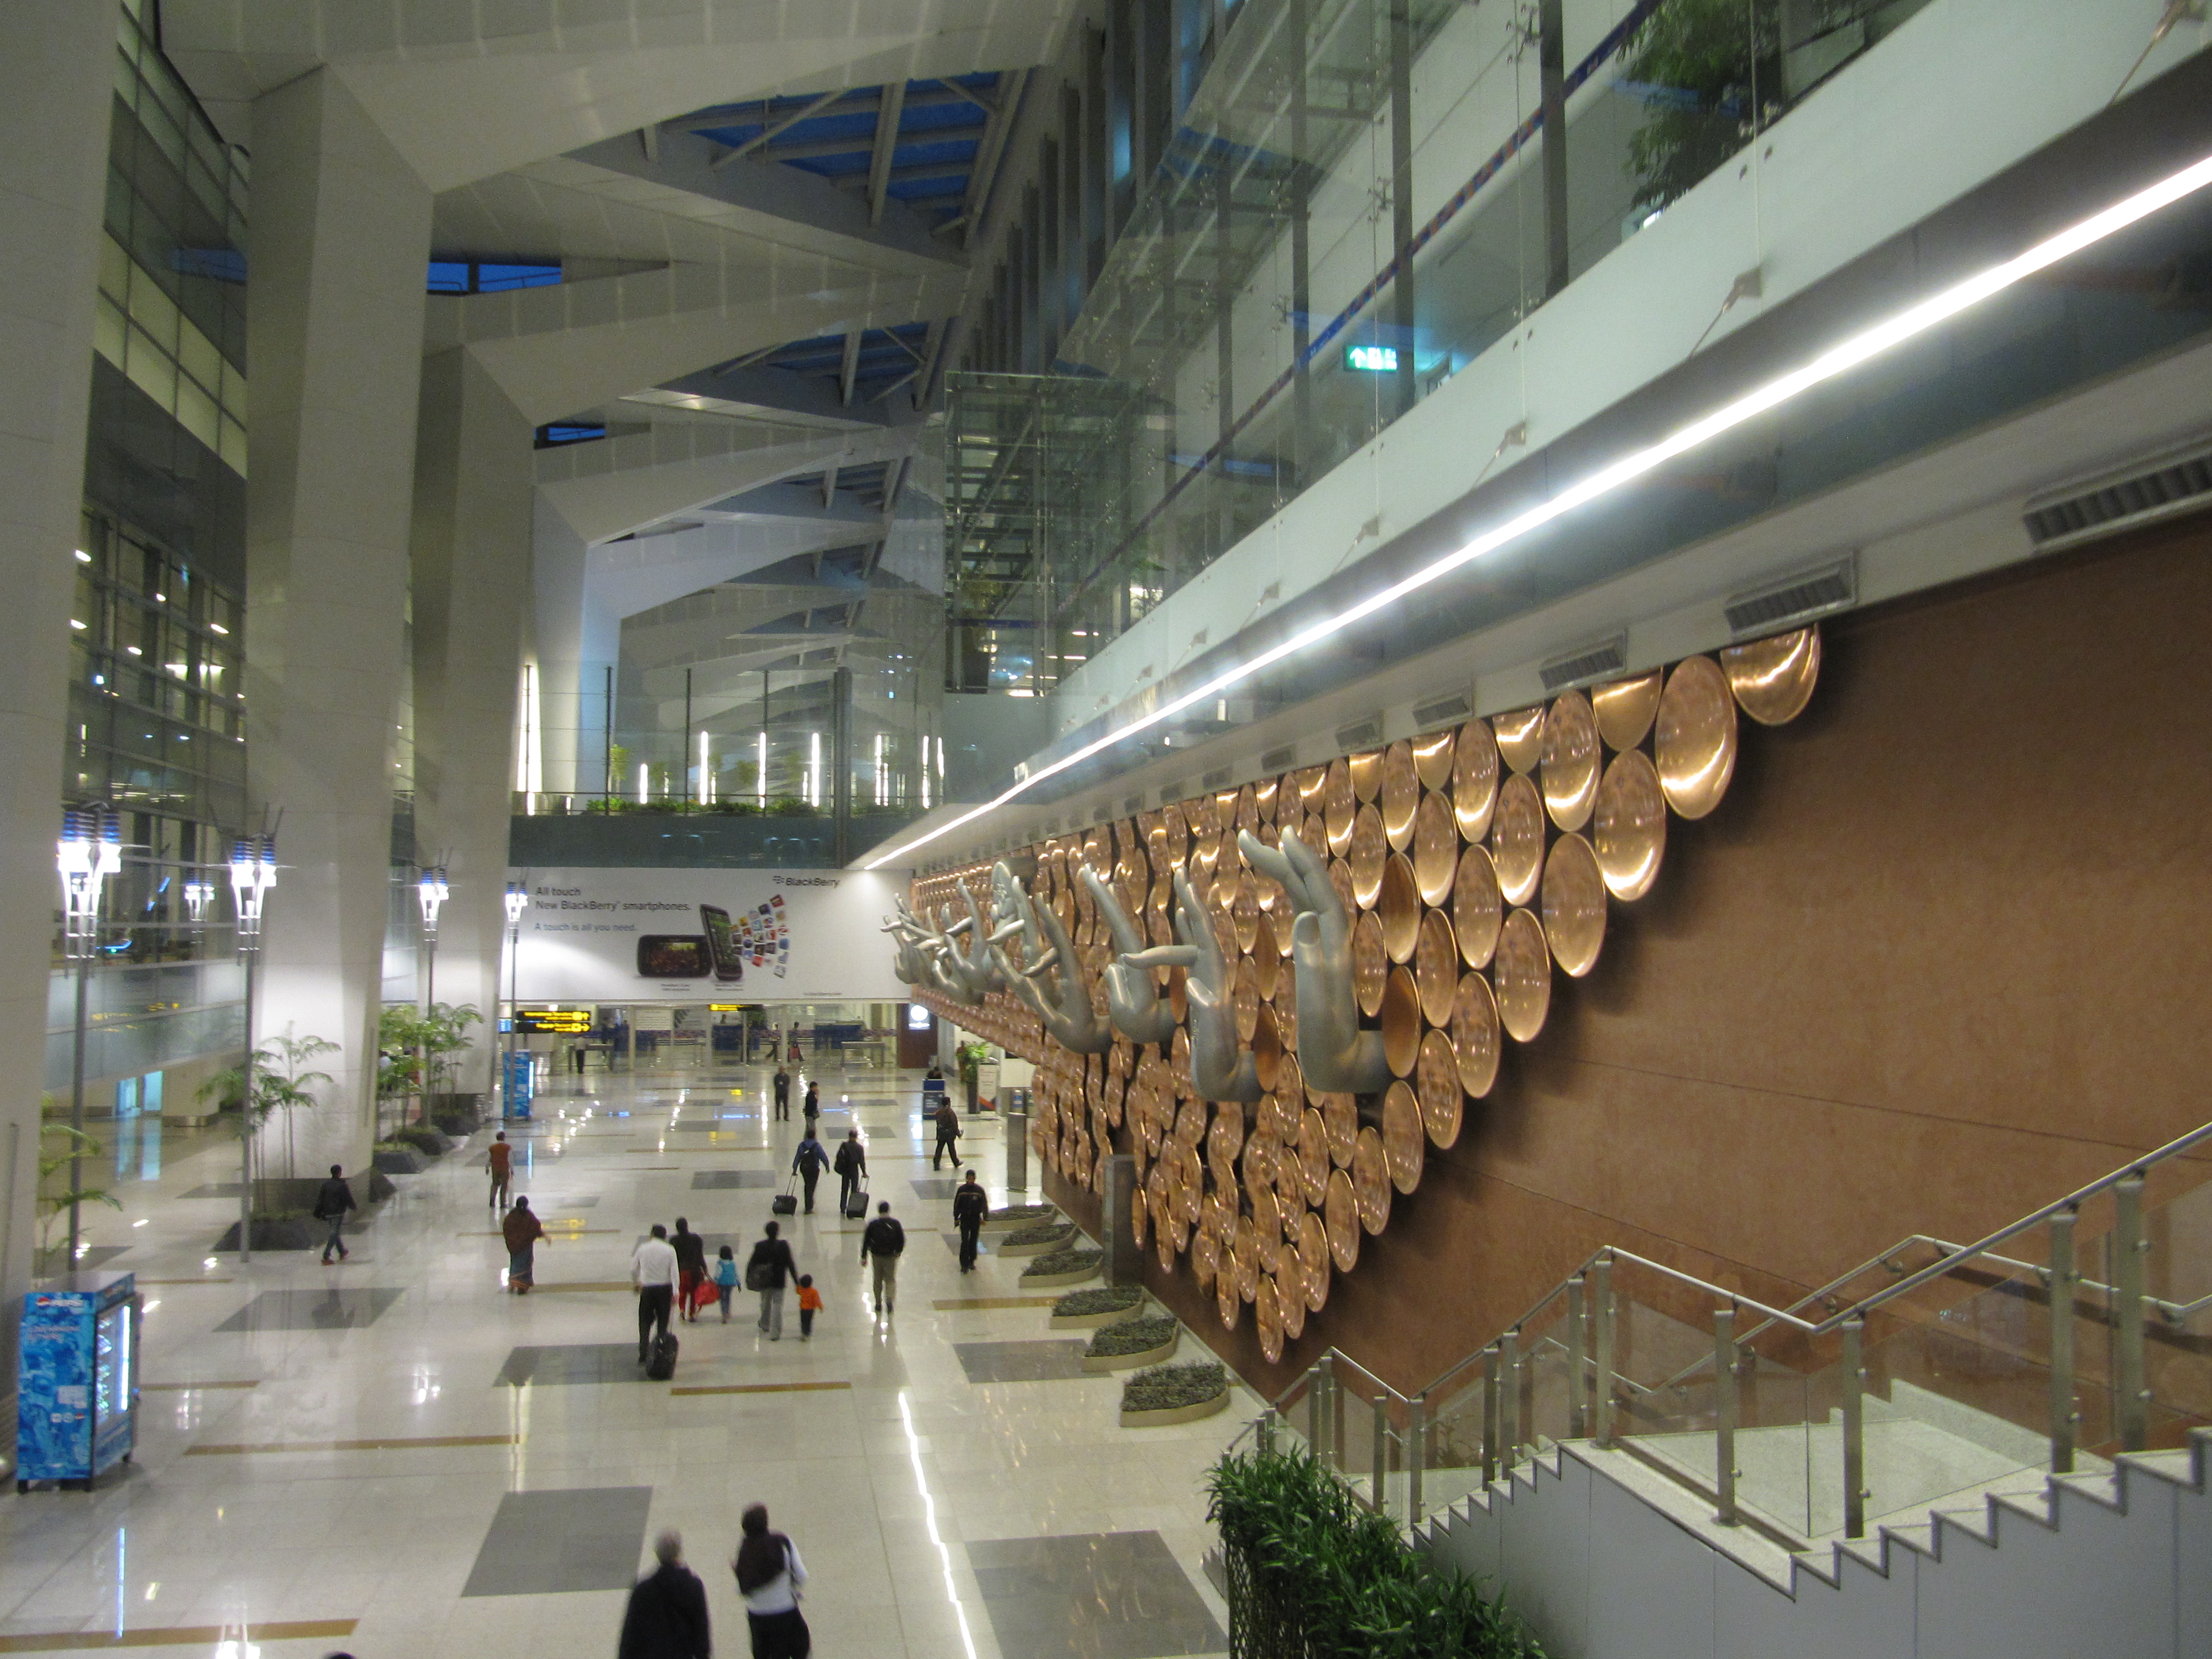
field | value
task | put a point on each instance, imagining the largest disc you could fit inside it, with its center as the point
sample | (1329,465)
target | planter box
(1067,1241)
(997,1224)
(1099,1365)
(1045,1281)
(287,1233)
(458,1116)
(1174,1414)
(1094,1321)
(400,1160)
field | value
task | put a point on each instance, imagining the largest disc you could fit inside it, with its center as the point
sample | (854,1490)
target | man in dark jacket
(948,1131)
(666,1617)
(332,1200)
(691,1269)
(882,1242)
(767,1270)
(970,1209)
(851,1164)
(808,1164)
(782,1092)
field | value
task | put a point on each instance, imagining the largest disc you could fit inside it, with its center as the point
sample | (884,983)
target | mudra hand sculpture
(1133,995)
(1069,1019)
(1336,1056)
(1219,1069)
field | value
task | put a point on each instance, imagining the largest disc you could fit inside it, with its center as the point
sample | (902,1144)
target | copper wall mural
(1277,998)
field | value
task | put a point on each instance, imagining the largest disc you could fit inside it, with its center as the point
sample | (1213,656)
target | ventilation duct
(1590,662)
(1452,710)
(1795,598)
(1360,734)
(2083,512)
(1280,760)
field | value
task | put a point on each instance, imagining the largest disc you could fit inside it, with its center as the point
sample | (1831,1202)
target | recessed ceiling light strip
(1840,359)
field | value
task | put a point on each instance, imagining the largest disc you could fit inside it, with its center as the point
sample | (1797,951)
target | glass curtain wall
(1361,198)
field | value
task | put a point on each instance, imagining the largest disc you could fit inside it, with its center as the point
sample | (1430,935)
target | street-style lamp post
(90,850)
(253,873)
(430,890)
(518,901)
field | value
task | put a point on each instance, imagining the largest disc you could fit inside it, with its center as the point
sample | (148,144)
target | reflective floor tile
(709,1180)
(1020,1362)
(328,1310)
(573,1363)
(585,1538)
(1092,1595)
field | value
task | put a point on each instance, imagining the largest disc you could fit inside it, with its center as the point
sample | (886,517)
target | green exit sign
(1371,359)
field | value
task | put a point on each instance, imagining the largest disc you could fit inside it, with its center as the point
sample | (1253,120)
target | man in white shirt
(653,1271)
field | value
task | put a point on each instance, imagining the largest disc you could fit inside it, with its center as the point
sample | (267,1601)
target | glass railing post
(1509,1398)
(2128,1246)
(1317,1411)
(1577,1424)
(1490,1415)
(1724,1405)
(1417,1454)
(1379,1455)
(2063,1278)
(1854,1406)
(1336,1441)
(1601,1344)
(1265,1435)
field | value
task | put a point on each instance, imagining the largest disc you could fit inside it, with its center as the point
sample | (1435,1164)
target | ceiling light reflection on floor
(929,1522)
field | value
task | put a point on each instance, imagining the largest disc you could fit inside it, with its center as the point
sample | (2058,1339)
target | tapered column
(471,557)
(57,67)
(341,235)
(576,642)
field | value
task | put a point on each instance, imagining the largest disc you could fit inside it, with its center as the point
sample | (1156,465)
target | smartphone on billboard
(722,943)
(673,956)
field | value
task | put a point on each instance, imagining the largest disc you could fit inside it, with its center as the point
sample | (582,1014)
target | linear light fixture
(1847,355)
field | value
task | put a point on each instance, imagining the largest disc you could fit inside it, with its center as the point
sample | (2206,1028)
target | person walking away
(521,1230)
(813,1111)
(769,1572)
(809,1303)
(726,1280)
(970,1210)
(666,1617)
(948,1132)
(767,1270)
(499,1158)
(852,1167)
(882,1242)
(332,1200)
(653,1271)
(782,1092)
(808,1164)
(690,1268)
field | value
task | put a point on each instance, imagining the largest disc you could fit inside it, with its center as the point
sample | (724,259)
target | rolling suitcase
(787,1201)
(661,1364)
(858,1209)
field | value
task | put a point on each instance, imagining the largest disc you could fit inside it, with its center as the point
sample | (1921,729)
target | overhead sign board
(554,1021)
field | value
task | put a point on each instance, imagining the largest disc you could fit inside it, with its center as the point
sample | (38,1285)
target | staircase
(1951,1451)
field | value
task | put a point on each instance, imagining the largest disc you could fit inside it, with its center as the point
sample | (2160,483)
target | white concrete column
(341,231)
(56,72)
(577,638)
(471,558)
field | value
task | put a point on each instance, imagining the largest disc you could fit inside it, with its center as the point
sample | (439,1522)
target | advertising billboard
(692,936)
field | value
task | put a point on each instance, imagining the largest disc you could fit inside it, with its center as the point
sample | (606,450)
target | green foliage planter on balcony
(1131,1343)
(1312,1575)
(1062,1267)
(1018,1216)
(1168,1394)
(1089,1310)
(1036,1240)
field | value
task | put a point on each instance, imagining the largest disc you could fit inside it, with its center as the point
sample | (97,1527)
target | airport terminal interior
(1107,827)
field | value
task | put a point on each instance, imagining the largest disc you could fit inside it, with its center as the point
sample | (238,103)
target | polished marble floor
(392,1456)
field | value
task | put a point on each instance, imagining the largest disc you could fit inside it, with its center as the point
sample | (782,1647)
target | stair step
(2177,1466)
(1920,1538)
(2097,1488)
(1867,1551)
(2040,1507)
(1978,1521)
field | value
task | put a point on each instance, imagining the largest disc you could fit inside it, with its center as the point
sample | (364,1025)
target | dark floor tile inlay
(708,1179)
(583,1539)
(934,1187)
(1092,1595)
(572,1363)
(216,1189)
(952,1243)
(1021,1362)
(330,1309)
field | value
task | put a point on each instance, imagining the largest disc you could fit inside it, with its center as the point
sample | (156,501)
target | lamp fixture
(1846,355)
(430,890)
(90,850)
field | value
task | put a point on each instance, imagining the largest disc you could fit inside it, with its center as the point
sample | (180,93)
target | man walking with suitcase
(653,1271)
(808,1166)
(882,1242)
(852,1166)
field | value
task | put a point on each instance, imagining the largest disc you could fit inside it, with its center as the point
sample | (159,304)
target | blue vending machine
(77,1411)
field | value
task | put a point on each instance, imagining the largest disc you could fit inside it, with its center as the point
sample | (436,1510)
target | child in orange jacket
(810,1302)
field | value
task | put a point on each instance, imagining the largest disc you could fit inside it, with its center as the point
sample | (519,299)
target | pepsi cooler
(77,1413)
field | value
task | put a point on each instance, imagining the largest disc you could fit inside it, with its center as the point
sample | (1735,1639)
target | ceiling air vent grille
(1280,760)
(1590,662)
(1217,779)
(1360,734)
(1171,792)
(2171,486)
(1795,598)
(1442,711)
(1133,804)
